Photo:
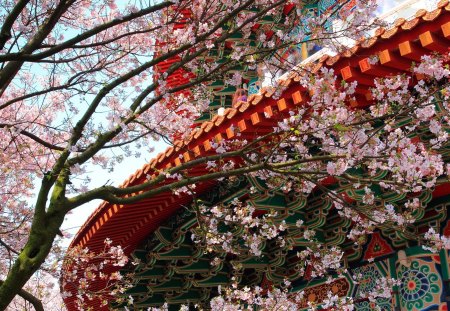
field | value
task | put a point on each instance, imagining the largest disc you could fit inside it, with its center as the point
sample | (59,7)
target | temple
(158,230)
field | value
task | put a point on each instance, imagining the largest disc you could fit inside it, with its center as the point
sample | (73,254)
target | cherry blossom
(90,83)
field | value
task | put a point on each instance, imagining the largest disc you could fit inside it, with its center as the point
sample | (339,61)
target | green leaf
(341,128)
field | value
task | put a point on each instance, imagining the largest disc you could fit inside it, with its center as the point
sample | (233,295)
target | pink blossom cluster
(435,241)
(83,268)
(236,216)
(246,299)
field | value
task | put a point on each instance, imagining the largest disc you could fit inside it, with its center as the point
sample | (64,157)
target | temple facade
(158,231)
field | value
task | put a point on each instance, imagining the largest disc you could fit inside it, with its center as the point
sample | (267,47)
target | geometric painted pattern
(420,284)
(368,277)
(377,247)
(318,292)
(173,269)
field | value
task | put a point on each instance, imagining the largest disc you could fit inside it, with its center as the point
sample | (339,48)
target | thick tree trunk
(30,259)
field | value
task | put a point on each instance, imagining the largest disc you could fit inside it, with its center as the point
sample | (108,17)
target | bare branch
(36,302)
(5,31)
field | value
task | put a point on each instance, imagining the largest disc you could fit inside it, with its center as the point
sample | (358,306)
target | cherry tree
(81,85)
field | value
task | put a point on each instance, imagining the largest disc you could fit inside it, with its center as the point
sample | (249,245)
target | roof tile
(399,21)
(432,15)
(214,119)
(209,126)
(411,24)
(442,3)
(146,168)
(169,151)
(256,99)
(332,60)
(324,58)
(389,33)
(219,120)
(318,66)
(351,51)
(297,77)
(369,42)
(420,13)
(286,82)
(160,157)
(244,106)
(379,31)
(227,111)
(232,112)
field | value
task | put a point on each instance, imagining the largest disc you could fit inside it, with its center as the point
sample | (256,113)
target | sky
(121,172)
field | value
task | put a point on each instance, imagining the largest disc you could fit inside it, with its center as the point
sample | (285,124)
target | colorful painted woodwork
(177,270)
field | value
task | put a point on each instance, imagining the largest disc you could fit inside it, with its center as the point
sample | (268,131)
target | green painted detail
(201,266)
(444,257)
(151,301)
(140,255)
(297,204)
(381,304)
(139,289)
(368,277)
(317,218)
(255,262)
(154,272)
(215,104)
(229,90)
(206,116)
(235,37)
(216,84)
(183,252)
(353,252)
(180,270)
(292,219)
(267,202)
(336,225)
(213,281)
(164,234)
(258,185)
(279,258)
(237,68)
(191,295)
(267,20)
(174,284)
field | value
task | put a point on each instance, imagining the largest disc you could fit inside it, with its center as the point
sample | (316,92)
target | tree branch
(22,56)
(36,302)
(9,248)
(8,73)
(5,31)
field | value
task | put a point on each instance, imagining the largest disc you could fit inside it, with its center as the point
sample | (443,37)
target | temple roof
(397,47)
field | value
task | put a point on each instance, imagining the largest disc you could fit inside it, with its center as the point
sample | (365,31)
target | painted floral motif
(367,277)
(319,293)
(419,286)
